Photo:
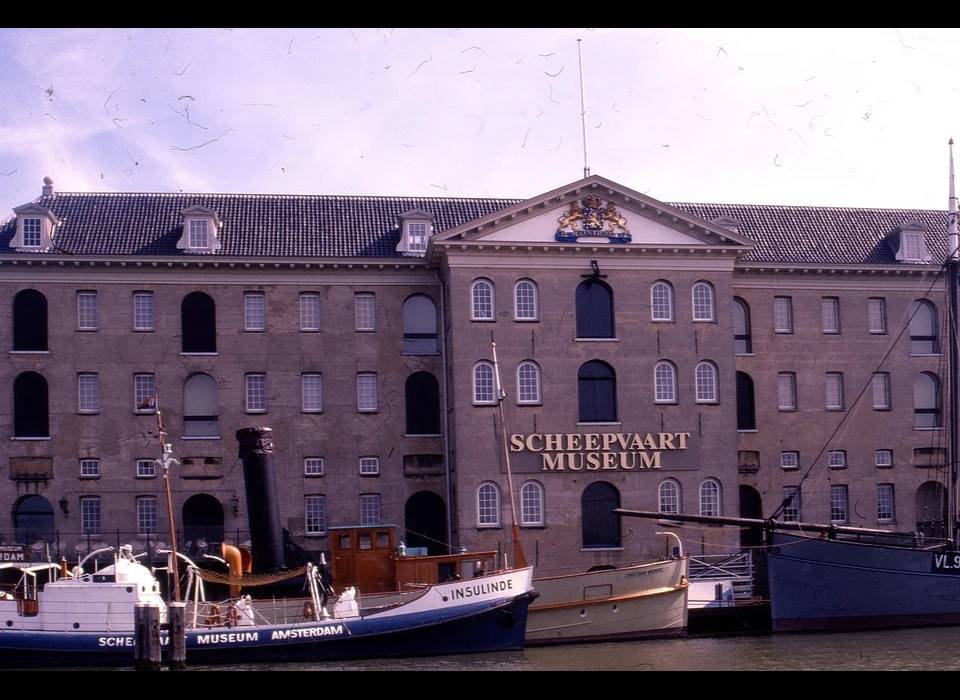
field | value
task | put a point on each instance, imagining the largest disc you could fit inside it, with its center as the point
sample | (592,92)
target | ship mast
(953,387)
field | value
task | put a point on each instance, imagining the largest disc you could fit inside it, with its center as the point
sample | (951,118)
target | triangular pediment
(595,211)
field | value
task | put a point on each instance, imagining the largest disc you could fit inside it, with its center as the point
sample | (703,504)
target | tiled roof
(839,235)
(369,227)
(253,225)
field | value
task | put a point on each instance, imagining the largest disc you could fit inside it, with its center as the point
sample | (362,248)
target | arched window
(710,497)
(482,300)
(531,505)
(200,407)
(669,495)
(29,321)
(525,301)
(594,310)
(597,392)
(31,406)
(419,326)
(661,301)
(422,393)
(707,391)
(33,520)
(704,308)
(923,328)
(601,526)
(198,322)
(484,389)
(742,340)
(528,383)
(746,408)
(665,383)
(488,505)
(926,401)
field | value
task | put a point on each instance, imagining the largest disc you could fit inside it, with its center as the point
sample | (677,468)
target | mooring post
(177,629)
(146,637)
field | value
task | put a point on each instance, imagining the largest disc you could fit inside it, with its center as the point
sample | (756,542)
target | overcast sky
(853,117)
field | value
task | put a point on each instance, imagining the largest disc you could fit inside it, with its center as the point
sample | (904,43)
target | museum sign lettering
(574,452)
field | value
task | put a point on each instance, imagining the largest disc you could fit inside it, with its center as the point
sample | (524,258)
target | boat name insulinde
(599,451)
(479,589)
(307,632)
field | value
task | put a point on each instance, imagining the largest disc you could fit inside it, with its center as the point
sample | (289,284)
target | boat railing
(737,568)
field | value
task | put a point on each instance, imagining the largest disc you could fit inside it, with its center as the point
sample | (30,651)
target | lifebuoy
(308,611)
(214,619)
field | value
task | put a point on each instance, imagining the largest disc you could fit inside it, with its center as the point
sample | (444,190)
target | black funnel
(263,507)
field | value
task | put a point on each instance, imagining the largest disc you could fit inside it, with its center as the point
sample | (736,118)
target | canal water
(893,650)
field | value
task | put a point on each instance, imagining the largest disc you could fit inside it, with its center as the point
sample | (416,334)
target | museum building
(683,358)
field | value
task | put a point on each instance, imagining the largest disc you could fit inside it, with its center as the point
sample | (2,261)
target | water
(900,650)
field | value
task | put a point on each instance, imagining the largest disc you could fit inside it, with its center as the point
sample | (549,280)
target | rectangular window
(885,511)
(365,310)
(143,311)
(787,391)
(254,312)
(90,521)
(837,459)
(256,393)
(369,509)
(90,468)
(912,246)
(31,233)
(881,391)
(835,400)
(367,393)
(144,393)
(310,312)
(146,468)
(87,316)
(791,507)
(315,510)
(146,515)
(877,314)
(369,466)
(313,466)
(883,458)
(311,390)
(783,314)
(417,238)
(838,504)
(89,391)
(830,314)
(199,236)
(790,460)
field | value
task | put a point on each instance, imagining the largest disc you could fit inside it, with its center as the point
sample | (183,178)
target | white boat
(88,618)
(643,600)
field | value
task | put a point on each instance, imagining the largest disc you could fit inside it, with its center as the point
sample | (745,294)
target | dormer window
(417,225)
(199,233)
(35,227)
(201,228)
(909,243)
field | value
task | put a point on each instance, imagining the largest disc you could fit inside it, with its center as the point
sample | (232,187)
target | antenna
(583,110)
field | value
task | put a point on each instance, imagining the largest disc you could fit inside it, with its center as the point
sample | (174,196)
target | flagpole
(520,561)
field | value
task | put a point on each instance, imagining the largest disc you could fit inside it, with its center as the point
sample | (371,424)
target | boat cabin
(370,559)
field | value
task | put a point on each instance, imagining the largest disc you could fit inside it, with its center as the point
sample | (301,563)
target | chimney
(47,186)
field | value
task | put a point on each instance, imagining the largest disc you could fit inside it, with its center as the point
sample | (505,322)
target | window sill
(366,330)
(483,320)
(87,330)
(526,320)
(529,403)
(747,430)
(489,527)
(707,403)
(422,435)
(254,330)
(937,427)
(704,320)
(539,526)
(87,477)
(597,340)
(88,413)
(588,423)
(368,412)
(145,477)
(745,354)
(144,330)
(199,437)
(313,476)
(783,332)
(198,354)
(28,439)
(783,409)
(315,534)
(29,352)
(312,412)
(602,548)
(369,476)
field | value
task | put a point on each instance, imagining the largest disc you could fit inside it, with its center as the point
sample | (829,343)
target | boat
(606,603)
(88,618)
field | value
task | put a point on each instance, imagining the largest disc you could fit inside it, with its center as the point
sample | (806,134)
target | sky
(825,117)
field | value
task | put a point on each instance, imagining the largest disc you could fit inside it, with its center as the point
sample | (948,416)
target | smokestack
(263,507)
